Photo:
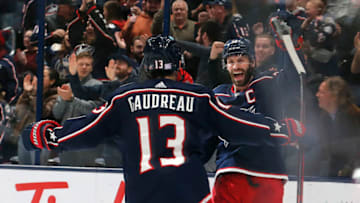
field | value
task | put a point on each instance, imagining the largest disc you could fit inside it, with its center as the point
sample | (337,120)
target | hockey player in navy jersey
(161,125)
(251,172)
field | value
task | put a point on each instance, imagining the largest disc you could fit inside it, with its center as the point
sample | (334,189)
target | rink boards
(69,184)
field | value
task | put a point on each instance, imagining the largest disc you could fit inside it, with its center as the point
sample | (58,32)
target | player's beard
(247,76)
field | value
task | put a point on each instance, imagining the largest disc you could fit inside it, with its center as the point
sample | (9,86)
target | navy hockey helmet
(161,53)
(239,46)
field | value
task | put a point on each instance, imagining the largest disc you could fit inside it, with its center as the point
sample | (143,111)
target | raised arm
(194,48)
(216,72)
(77,133)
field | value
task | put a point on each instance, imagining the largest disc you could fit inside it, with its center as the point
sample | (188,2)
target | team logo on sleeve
(277,127)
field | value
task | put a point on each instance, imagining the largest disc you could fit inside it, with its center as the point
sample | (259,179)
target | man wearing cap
(119,71)
(69,105)
(121,68)
(233,26)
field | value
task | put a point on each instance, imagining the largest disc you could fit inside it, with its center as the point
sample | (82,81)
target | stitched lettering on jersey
(250,96)
(164,101)
(251,109)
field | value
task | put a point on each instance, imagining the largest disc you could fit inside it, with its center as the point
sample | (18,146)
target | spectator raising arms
(68,105)
(207,34)
(320,33)
(121,68)
(141,25)
(89,27)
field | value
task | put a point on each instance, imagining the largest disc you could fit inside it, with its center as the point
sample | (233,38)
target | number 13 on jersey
(176,143)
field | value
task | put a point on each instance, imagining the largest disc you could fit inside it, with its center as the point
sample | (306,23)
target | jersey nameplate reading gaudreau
(164,101)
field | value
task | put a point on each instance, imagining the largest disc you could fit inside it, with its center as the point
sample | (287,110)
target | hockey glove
(40,135)
(289,129)
(295,129)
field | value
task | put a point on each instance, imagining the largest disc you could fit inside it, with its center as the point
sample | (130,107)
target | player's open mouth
(239,75)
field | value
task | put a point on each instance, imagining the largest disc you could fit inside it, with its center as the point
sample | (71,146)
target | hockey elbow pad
(40,135)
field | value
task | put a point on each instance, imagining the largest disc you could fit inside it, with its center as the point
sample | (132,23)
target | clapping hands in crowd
(30,83)
(65,92)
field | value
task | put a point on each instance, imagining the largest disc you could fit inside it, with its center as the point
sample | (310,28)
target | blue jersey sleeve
(89,130)
(241,127)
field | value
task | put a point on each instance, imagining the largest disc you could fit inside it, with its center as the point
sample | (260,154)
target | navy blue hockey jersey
(161,126)
(263,95)
(253,158)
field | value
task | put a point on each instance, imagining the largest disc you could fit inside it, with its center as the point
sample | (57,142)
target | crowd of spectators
(93,48)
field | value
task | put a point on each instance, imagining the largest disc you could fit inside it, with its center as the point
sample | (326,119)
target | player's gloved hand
(40,135)
(289,129)
(295,128)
